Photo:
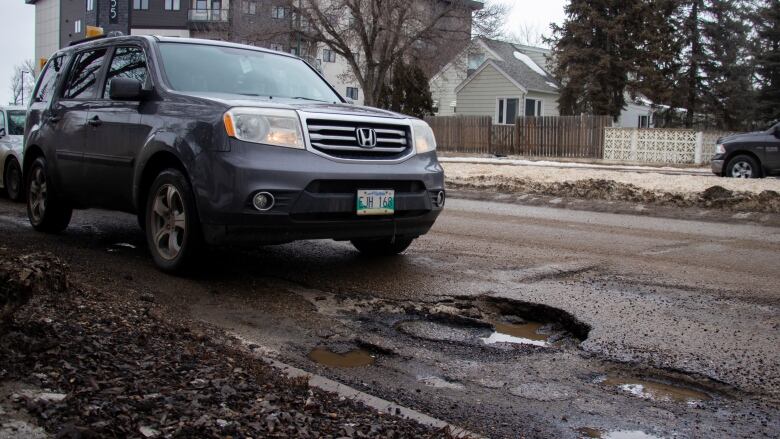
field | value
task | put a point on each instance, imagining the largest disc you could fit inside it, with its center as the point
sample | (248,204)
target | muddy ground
(509,319)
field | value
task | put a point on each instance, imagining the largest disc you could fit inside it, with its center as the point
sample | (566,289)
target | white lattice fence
(655,145)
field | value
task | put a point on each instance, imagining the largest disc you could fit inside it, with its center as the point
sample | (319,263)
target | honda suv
(216,143)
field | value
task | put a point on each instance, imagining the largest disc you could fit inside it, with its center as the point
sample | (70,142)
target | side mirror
(125,89)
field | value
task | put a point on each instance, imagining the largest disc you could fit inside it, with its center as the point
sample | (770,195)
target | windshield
(216,69)
(16,123)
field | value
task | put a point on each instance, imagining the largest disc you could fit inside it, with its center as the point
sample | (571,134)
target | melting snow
(498,337)
(530,63)
(552,84)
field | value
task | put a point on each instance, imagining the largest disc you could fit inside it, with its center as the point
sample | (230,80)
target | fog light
(263,201)
(440,199)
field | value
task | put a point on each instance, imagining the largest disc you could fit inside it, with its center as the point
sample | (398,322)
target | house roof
(516,63)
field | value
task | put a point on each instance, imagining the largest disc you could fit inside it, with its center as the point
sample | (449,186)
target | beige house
(498,79)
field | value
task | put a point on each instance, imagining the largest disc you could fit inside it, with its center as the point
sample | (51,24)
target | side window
(48,79)
(2,121)
(128,62)
(84,75)
(16,123)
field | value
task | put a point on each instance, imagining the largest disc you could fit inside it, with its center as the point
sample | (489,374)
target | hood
(231,100)
(740,137)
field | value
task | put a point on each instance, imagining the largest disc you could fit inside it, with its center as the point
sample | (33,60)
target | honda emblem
(366,137)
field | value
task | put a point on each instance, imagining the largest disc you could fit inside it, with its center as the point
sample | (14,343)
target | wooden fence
(546,136)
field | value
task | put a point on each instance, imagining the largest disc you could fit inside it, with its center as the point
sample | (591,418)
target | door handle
(95,121)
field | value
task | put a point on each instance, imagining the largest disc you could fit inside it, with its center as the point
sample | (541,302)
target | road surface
(653,327)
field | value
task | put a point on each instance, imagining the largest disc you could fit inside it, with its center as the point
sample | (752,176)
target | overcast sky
(17,34)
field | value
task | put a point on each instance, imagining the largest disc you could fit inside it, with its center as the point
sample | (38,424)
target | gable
(491,76)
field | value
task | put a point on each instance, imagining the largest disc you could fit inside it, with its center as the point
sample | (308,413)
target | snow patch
(530,63)
(552,84)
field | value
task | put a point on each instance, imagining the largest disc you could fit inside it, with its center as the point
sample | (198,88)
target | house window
(328,55)
(201,5)
(278,47)
(533,107)
(353,93)
(77,26)
(278,12)
(249,7)
(476,60)
(141,4)
(172,5)
(506,113)
(90,5)
(643,122)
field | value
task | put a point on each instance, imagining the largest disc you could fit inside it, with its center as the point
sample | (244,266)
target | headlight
(265,125)
(720,148)
(424,140)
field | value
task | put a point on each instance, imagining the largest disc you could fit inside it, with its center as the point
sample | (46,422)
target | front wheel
(743,166)
(13,180)
(172,225)
(382,246)
(45,207)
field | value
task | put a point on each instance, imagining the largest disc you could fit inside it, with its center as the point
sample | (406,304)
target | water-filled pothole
(353,358)
(518,333)
(655,391)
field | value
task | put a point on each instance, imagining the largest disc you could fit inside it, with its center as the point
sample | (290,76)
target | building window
(278,12)
(276,46)
(172,5)
(90,5)
(353,93)
(533,107)
(141,4)
(249,7)
(294,51)
(506,111)
(328,55)
(77,26)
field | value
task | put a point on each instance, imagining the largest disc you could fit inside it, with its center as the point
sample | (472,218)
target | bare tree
(22,82)
(527,34)
(372,35)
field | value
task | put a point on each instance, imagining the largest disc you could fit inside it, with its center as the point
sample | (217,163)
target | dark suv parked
(750,155)
(213,143)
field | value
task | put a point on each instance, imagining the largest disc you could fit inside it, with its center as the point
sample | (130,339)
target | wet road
(641,324)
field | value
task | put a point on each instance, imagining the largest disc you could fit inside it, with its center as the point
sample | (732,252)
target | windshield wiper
(310,99)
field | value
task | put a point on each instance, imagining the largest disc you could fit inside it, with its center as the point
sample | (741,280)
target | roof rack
(85,40)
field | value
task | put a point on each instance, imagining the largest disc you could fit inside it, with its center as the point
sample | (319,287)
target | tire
(47,210)
(382,247)
(743,166)
(172,228)
(12,177)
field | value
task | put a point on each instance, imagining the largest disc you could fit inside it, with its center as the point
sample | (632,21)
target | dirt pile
(715,197)
(119,369)
(20,278)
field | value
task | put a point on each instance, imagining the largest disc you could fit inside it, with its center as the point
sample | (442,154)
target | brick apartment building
(264,23)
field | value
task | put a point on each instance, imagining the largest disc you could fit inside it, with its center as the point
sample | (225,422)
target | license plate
(375,202)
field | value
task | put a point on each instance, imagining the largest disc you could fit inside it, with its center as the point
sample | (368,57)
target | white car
(11,140)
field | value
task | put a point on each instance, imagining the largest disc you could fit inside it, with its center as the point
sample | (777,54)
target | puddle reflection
(354,358)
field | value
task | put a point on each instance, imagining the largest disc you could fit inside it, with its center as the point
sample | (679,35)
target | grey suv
(217,143)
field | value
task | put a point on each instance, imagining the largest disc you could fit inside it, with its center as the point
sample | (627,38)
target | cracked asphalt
(629,301)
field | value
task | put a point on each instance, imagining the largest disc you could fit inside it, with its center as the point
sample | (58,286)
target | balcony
(209,15)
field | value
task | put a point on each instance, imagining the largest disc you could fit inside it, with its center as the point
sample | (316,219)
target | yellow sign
(93,31)
(42,62)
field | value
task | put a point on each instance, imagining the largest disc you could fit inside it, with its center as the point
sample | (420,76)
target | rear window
(48,79)
(16,122)
(217,69)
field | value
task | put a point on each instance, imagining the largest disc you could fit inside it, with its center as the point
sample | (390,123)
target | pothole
(595,433)
(349,359)
(655,391)
(518,333)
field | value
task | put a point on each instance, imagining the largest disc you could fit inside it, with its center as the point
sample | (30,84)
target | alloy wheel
(169,222)
(742,170)
(38,193)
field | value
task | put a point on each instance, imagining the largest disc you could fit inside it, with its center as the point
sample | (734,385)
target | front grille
(340,139)
(352,186)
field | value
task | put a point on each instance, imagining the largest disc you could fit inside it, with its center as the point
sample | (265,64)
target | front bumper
(717,165)
(315,197)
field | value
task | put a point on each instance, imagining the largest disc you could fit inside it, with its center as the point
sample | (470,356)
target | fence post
(697,155)
(633,154)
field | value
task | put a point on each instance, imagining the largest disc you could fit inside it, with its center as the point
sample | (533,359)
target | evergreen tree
(608,47)
(408,91)
(767,54)
(727,89)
